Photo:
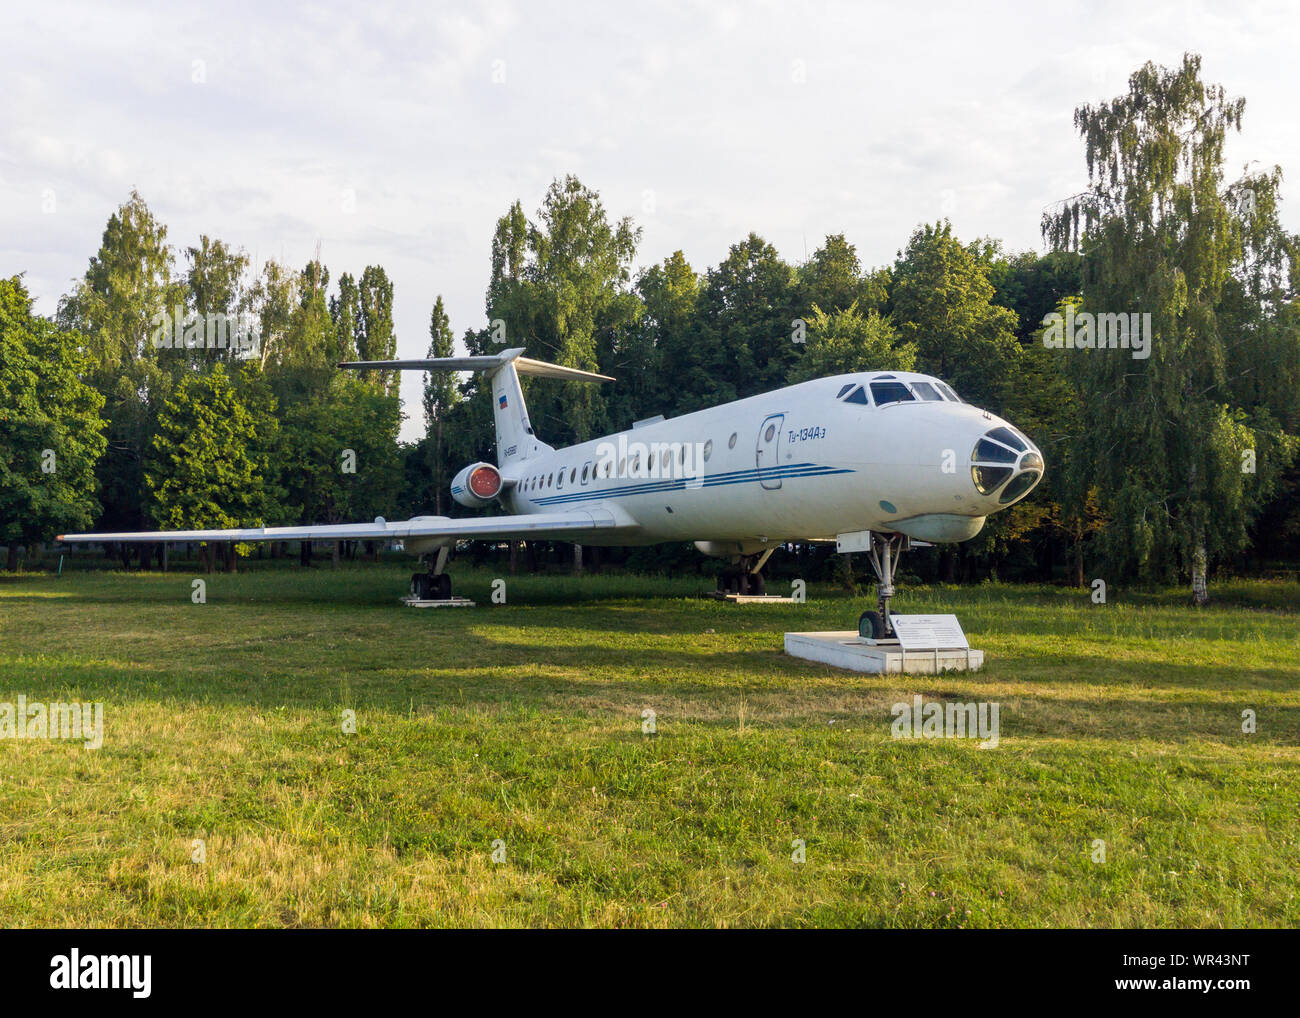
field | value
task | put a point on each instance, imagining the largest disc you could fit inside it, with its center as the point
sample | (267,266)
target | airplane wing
(571,525)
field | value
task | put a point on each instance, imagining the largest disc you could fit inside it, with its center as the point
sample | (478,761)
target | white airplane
(872,461)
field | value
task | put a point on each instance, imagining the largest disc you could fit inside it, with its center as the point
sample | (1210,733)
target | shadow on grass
(778,697)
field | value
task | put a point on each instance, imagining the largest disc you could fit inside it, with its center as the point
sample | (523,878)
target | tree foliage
(51,433)
(1162,234)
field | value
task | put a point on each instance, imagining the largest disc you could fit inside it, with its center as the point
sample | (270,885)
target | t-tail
(516,440)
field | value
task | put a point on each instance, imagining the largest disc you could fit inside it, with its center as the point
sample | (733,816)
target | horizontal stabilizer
(489,363)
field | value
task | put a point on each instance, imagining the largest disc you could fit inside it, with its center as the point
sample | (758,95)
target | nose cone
(1005,465)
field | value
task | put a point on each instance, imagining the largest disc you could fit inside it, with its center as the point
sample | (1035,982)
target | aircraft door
(767,456)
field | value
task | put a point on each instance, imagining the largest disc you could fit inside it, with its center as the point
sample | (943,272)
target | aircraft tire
(871,626)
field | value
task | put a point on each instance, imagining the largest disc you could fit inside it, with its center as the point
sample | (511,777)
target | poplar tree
(376,340)
(440,396)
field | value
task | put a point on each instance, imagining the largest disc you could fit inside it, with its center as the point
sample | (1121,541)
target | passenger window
(858,395)
(585,468)
(926,391)
(890,392)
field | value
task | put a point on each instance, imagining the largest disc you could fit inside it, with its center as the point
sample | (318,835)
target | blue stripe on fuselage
(751,476)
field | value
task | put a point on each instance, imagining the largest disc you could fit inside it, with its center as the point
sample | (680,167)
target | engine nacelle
(418,546)
(477,485)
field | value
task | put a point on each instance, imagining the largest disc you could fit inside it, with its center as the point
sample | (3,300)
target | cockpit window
(858,395)
(890,392)
(947,391)
(844,390)
(987,479)
(1008,437)
(992,452)
(1019,487)
(926,391)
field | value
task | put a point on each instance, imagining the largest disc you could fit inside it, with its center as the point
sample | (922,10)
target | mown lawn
(522,723)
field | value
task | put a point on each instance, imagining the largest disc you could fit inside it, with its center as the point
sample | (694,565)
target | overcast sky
(396,134)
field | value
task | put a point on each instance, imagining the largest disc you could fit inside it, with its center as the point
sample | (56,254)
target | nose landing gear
(886,549)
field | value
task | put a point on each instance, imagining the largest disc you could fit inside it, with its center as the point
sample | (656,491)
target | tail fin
(515,437)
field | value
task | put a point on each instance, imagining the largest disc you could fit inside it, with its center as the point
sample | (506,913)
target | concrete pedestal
(717,595)
(848,650)
(449,602)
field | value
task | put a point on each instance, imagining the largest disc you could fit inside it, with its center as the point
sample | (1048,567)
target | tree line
(1161,466)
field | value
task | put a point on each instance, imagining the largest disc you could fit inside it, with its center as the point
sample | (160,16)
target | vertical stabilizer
(515,438)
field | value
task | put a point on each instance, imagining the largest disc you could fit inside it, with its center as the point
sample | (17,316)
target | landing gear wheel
(742,577)
(871,625)
(425,587)
(729,580)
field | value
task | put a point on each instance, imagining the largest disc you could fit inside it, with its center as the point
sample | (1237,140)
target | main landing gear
(742,576)
(886,549)
(435,585)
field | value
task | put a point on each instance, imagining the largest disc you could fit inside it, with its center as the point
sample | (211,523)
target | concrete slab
(449,602)
(848,650)
(717,595)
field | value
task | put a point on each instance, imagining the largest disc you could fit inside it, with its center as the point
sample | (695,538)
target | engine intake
(477,485)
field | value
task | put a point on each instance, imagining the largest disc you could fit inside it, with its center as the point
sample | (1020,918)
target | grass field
(523,723)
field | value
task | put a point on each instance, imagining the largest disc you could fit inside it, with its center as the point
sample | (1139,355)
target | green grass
(522,722)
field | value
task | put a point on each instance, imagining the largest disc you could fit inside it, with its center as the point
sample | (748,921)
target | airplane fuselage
(808,461)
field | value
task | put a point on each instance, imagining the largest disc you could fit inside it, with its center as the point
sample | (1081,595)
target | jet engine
(477,485)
